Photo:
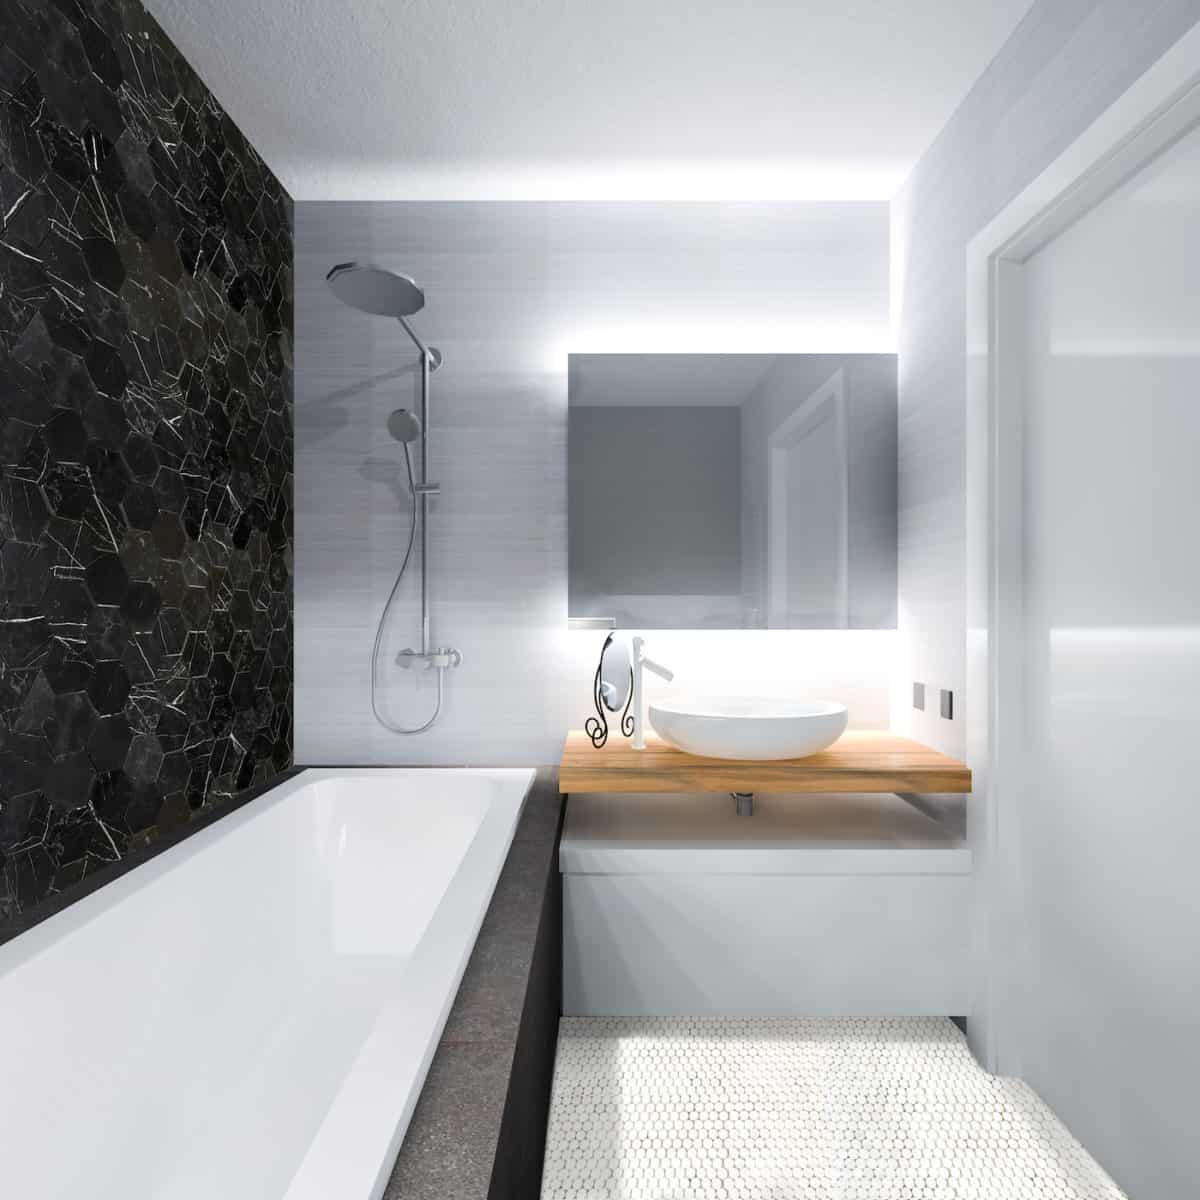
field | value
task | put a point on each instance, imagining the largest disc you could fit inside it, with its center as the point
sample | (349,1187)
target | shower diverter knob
(440,660)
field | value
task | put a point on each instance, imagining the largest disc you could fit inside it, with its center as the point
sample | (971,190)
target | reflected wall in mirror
(732,491)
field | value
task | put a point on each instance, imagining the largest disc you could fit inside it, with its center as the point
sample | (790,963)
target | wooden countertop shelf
(859,761)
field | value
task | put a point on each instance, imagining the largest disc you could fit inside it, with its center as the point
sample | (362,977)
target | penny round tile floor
(655,1108)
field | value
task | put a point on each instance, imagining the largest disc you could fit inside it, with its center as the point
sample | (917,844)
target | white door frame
(1149,117)
(828,402)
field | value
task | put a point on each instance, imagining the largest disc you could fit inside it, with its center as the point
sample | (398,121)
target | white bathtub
(252,1012)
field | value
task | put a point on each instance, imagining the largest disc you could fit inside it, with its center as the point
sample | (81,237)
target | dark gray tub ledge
(479,1129)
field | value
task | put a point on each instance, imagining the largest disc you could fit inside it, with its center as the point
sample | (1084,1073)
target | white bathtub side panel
(765,945)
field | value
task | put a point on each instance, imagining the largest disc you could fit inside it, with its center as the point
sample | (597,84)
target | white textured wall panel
(1066,62)
(511,289)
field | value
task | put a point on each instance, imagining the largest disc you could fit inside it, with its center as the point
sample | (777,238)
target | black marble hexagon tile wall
(145,446)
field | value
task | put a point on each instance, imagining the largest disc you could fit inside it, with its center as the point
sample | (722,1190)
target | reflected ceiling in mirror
(732,491)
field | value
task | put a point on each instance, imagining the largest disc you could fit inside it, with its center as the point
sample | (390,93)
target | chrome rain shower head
(376,290)
(382,293)
(404,426)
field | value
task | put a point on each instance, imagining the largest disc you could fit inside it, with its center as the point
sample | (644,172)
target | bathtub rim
(25,921)
(343,1157)
(67,912)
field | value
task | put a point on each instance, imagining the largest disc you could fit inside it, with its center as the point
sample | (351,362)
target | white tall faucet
(640,661)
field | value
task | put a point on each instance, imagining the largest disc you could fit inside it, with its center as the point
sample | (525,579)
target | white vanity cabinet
(838,905)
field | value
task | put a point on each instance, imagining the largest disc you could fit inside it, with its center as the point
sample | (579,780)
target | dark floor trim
(521,1148)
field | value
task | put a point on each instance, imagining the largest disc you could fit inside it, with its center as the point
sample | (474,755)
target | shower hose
(383,617)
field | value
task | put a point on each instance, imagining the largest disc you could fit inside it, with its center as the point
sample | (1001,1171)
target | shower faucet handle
(441,659)
(428,489)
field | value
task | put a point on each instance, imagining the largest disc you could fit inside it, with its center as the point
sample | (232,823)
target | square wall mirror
(732,491)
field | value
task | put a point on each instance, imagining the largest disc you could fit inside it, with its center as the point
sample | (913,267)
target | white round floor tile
(797,1109)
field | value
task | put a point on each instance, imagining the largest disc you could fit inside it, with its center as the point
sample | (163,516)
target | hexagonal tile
(112,794)
(241,609)
(138,553)
(197,654)
(196,607)
(103,57)
(171,581)
(109,687)
(170,489)
(281,684)
(69,727)
(104,263)
(67,491)
(66,438)
(143,758)
(140,605)
(173,630)
(241,650)
(220,674)
(109,476)
(242,690)
(140,506)
(107,369)
(174,771)
(165,256)
(221,716)
(168,535)
(172,727)
(23,510)
(24,573)
(280,648)
(66,674)
(68,783)
(141,457)
(137,210)
(66,600)
(37,706)
(107,579)
(260,629)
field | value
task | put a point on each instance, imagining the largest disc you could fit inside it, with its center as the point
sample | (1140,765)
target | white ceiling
(590,99)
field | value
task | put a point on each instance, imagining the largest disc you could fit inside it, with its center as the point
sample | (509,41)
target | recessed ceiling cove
(574,99)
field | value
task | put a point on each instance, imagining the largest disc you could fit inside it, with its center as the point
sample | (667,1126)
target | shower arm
(420,345)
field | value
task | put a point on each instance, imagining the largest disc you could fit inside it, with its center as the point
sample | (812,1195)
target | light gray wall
(1066,62)
(654,497)
(1094,976)
(512,288)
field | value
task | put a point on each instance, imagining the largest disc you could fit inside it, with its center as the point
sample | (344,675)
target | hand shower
(404,427)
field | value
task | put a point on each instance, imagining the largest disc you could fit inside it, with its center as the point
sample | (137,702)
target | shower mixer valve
(441,659)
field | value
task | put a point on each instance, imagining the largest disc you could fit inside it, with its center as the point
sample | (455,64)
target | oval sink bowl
(748,727)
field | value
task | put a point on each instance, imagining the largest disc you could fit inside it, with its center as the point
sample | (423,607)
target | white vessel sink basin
(748,727)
